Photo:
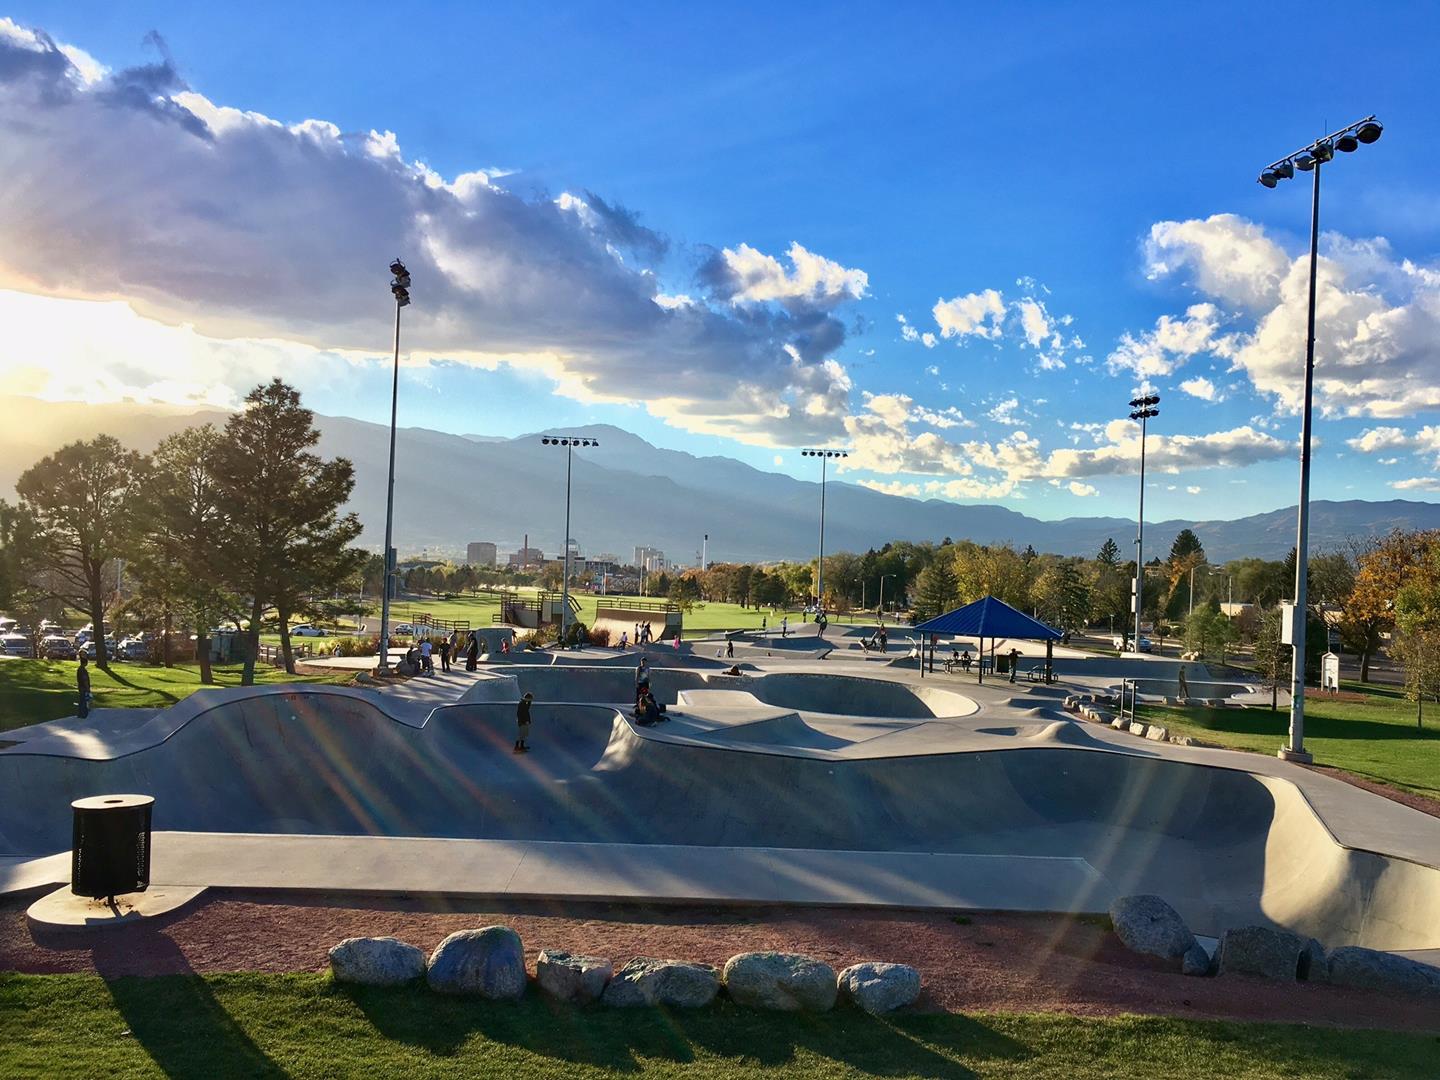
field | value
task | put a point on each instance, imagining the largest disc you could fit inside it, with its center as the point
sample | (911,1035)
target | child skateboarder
(522,724)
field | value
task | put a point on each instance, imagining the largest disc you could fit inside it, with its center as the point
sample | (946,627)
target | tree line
(217,524)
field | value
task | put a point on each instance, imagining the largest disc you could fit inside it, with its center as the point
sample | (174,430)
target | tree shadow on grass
(185,1030)
(623,1040)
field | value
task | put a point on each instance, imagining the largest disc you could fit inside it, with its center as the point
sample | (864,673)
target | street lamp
(1309,159)
(882,595)
(1142,409)
(400,289)
(824,456)
(569,442)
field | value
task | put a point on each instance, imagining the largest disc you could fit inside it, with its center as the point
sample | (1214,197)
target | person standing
(82,686)
(427,665)
(1014,660)
(472,651)
(785,626)
(624,636)
(642,677)
(445,645)
(1184,686)
(522,724)
(729,648)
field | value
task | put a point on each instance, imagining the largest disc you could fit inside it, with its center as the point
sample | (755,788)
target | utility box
(1288,614)
(1330,672)
(110,848)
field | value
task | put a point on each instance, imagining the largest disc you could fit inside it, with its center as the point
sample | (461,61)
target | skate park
(843,780)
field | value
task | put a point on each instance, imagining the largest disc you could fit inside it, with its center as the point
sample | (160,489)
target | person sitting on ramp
(522,724)
(647,710)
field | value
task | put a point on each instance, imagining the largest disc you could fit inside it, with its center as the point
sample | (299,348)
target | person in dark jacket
(82,685)
(522,724)
(472,652)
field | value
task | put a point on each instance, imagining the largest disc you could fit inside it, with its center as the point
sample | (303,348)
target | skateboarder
(522,724)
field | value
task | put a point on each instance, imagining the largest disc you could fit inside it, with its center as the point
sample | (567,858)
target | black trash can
(110,851)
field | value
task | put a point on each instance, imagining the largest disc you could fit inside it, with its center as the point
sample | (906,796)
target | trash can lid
(112,802)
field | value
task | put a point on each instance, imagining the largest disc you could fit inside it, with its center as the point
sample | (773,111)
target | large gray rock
(880,988)
(1196,961)
(1147,924)
(1260,950)
(570,977)
(376,961)
(647,981)
(489,962)
(1370,969)
(786,982)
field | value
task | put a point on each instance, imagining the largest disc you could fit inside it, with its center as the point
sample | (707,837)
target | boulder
(1138,728)
(880,988)
(1196,961)
(646,981)
(1157,733)
(376,961)
(1148,925)
(786,982)
(1370,969)
(1120,723)
(489,962)
(570,977)
(1262,951)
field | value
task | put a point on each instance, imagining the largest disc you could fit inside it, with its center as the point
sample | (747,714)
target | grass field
(703,618)
(1376,738)
(32,691)
(276,1026)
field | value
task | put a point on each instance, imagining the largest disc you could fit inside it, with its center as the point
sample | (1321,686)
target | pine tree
(935,589)
(1109,553)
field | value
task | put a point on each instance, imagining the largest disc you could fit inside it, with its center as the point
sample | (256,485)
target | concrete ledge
(63,910)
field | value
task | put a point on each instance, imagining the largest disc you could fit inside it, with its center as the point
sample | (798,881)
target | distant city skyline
(956,240)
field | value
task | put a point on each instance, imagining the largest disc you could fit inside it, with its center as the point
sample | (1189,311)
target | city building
(527,557)
(480,553)
(647,557)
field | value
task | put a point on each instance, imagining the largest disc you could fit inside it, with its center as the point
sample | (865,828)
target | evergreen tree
(1109,553)
(935,589)
(282,503)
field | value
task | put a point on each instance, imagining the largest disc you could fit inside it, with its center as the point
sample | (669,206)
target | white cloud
(893,487)
(243,228)
(1173,341)
(1004,412)
(1199,387)
(1079,487)
(1417,483)
(929,340)
(779,460)
(1193,489)
(978,314)
(1382,439)
(1377,316)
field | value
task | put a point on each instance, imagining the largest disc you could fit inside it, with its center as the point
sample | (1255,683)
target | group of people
(879,640)
(647,710)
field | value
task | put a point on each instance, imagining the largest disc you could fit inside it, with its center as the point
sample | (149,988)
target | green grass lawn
(1376,738)
(32,691)
(276,1026)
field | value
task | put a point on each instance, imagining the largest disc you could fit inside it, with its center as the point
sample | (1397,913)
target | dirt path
(1005,962)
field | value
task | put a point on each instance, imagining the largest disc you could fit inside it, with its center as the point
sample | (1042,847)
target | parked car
(89,648)
(56,647)
(1122,643)
(308,630)
(135,648)
(403,629)
(16,645)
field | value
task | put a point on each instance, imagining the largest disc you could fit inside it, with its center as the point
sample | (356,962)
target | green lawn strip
(305,1026)
(33,691)
(1377,738)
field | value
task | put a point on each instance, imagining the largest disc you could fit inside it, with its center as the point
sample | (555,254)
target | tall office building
(480,553)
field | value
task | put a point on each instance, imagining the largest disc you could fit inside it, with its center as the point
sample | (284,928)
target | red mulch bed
(1000,962)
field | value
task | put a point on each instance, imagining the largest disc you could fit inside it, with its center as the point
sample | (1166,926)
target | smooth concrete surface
(63,910)
(609,872)
(815,758)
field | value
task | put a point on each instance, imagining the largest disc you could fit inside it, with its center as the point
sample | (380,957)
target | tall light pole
(824,456)
(882,596)
(1143,409)
(569,442)
(1309,159)
(400,288)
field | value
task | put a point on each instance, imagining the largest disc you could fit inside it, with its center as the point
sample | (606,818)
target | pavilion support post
(1049,661)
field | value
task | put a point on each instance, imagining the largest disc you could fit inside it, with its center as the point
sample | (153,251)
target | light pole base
(1300,757)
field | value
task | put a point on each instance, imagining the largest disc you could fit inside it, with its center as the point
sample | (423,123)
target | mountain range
(453,489)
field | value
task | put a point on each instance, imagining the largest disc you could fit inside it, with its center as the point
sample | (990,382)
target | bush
(352,646)
(600,637)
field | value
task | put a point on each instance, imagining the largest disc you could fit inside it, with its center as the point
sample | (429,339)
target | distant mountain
(452,489)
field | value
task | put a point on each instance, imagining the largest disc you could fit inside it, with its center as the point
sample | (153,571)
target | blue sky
(1060,200)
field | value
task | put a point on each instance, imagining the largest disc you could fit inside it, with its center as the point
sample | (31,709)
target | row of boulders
(490,963)
(1100,709)
(1148,925)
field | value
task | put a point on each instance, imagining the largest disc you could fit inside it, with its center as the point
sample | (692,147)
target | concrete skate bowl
(1226,846)
(840,695)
